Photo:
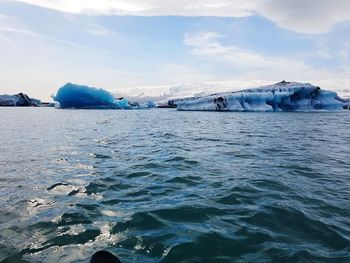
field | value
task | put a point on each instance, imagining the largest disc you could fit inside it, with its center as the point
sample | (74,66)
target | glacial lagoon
(168,186)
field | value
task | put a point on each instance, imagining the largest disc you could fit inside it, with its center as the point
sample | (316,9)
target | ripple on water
(291,222)
(68,219)
(147,245)
(139,174)
(95,188)
(186,180)
(144,221)
(210,247)
(188,213)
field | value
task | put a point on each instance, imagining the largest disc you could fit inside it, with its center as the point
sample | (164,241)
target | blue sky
(147,46)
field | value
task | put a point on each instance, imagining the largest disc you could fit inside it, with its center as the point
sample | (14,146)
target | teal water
(168,186)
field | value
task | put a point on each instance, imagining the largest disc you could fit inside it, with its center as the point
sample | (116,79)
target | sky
(159,47)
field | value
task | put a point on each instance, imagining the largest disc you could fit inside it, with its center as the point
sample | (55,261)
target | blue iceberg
(283,96)
(84,97)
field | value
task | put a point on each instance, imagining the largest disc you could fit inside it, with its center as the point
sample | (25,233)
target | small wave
(186,180)
(68,219)
(139,174)
(144,221)
(56,185)
(147,245)
(188,213)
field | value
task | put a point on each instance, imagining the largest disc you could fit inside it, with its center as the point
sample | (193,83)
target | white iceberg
(283,96)
(18,100)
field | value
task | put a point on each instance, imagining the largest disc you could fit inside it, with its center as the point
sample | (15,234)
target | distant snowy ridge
(282,96)
(163,93)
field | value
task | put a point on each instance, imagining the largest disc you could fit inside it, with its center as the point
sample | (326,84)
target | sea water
(167,186)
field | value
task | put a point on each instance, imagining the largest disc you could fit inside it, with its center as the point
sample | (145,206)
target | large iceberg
(84,97)
(18,100)
(283,96)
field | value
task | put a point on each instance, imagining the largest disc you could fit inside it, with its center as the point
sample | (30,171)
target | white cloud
(237,8)
(304,16)
(208,45)
(254,66)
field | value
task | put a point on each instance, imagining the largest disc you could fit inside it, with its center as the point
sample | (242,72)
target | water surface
(168,186)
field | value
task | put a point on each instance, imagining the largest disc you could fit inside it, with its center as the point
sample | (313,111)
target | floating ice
(283,96)
(144,105)
(19,100)
(84,97)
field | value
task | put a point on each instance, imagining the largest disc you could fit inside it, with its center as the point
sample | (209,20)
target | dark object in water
(104,257)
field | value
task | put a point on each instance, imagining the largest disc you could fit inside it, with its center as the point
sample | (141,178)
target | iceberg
(18,100)
(283,96)
(84,97)
(143,105)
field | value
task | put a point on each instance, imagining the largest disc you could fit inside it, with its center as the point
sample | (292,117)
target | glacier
(282,96)
(84,97)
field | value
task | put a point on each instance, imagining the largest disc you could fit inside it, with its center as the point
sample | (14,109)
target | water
(168,186)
